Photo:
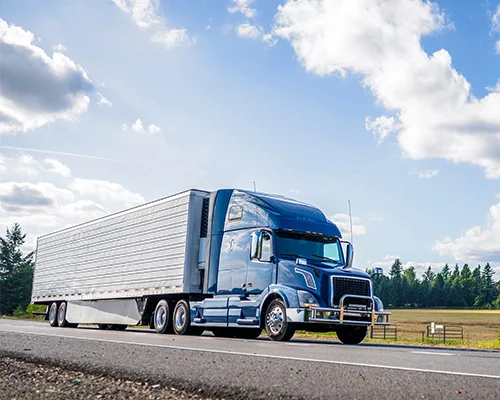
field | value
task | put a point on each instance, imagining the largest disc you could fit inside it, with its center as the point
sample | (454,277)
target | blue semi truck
(233,262)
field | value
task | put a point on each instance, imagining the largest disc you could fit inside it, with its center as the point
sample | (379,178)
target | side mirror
(349,255)
(255,246)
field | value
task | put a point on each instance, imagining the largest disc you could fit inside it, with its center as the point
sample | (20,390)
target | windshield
(315,247)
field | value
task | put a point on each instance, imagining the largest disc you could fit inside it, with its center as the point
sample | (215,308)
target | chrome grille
(353,286)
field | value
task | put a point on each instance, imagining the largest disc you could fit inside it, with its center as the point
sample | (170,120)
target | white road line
(432,353)
(259,355)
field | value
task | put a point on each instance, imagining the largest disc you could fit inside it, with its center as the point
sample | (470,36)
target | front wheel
(182,320)
(351,334)
(277,326)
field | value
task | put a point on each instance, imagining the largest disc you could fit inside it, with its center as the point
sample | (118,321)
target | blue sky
(394,105)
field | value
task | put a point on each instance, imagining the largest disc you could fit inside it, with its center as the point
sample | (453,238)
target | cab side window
(266,247)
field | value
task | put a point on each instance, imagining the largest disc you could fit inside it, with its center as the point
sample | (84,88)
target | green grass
(481,328)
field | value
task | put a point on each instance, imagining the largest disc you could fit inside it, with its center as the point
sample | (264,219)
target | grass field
(481,327)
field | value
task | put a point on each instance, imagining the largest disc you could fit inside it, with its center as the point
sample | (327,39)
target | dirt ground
(26,381)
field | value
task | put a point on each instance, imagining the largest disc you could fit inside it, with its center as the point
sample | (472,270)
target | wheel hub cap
(275,320)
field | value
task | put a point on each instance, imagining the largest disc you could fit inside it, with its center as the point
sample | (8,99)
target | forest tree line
(453,287)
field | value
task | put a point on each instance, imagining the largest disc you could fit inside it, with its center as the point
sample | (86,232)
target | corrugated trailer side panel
(150,249)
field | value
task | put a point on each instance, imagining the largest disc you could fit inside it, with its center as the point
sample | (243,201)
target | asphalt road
(236,368)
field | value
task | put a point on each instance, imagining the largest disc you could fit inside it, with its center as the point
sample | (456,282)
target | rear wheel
(61,316)
(53,314)
(277,326)
(182,320)
(351,334)
(162,317)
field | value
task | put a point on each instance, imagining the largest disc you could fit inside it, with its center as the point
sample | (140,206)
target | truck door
(233,263)
(261,269)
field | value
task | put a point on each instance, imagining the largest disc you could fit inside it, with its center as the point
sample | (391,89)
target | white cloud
(243,6)
(37,89)
(269,39)
(477,243)
(437,114)
(381,127)
(59,48)
(41,206)
(103,101)
(249,31)
(137,126)
(58,167)
(497,47)
(495,20)
(343,223)
(105,191)
(425,174)
(146,15)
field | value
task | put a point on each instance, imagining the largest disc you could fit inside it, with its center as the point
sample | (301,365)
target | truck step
(247,321)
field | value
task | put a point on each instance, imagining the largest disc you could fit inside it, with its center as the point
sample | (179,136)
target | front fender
(288,294)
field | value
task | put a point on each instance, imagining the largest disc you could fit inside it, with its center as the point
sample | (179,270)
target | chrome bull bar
(342,314)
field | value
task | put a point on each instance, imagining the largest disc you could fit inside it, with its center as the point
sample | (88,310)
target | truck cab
(277,264)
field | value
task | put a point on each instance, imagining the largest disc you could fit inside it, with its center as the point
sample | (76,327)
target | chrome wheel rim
(62,313)
(180,317)
(52,312)
(275,320)
(160,317)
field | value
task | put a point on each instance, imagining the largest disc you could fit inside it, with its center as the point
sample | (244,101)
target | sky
(393,105)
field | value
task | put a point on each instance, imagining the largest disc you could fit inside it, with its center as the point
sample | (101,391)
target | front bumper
(350,314)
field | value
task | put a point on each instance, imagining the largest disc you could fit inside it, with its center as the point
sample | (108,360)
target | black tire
(163,317)
(181,320)
(61,316)
(120,327)
(277,326)
(52,315)
(351,334)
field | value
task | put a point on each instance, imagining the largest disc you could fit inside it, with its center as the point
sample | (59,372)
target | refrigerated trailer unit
(232,262)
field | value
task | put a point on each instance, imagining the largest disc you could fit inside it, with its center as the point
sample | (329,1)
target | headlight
(307,299)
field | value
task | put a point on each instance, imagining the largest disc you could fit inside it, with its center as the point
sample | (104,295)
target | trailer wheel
(53,314)
(182,320)
(61,316)
(277,326)
(351,334)
(162,317)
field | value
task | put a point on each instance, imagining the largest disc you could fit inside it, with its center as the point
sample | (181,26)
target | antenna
(254,186)
(350,218)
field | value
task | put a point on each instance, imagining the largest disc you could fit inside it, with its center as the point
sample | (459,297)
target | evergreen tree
(396,284)
(488,292)
(16,271)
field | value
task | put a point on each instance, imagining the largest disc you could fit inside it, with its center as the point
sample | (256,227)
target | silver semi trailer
(230,261)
